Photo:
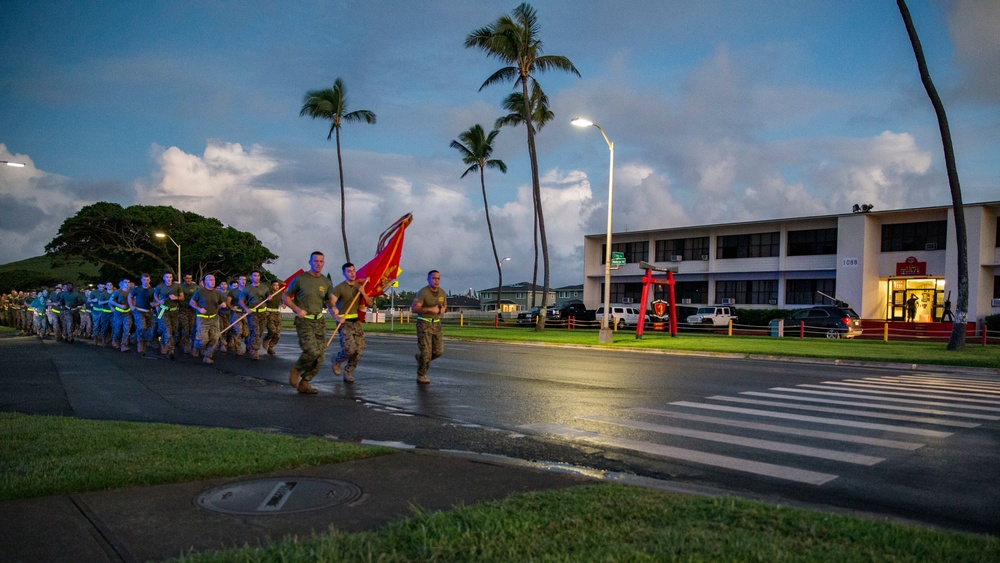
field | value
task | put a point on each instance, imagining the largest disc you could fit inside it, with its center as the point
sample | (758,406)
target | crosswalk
(806,433)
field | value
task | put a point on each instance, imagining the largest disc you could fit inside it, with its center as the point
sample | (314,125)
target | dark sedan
(828,321)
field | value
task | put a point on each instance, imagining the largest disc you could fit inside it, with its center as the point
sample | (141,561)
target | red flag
(383,269)
(285,283)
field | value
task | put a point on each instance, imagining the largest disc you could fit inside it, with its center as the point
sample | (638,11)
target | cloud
(973,27)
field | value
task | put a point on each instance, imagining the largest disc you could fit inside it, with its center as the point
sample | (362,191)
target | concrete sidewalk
(153,523)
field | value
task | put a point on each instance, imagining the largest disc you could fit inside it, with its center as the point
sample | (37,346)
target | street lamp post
(165,235)
(605,334)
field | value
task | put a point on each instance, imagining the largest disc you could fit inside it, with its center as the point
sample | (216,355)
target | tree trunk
(343,200)
(489,227)
(537,194)
(957,340)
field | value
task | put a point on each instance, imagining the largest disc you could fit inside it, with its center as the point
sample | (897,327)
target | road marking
(849,412)
(871,405)
(821,420)
(821,453)
(858,388)
(791,430)
(861,395)
(702,458)
(877,384)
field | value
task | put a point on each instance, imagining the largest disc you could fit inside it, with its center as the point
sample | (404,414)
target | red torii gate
(647,280)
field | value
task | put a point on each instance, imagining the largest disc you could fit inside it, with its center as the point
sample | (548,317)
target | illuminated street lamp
(605,334)
(14,164)
(165,235)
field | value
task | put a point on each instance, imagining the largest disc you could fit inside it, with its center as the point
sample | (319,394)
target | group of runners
(242,318)
(168,319)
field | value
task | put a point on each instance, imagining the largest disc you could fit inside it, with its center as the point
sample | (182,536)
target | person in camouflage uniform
(272,319)
(121,316)
(186,316)
(168,297)
(253,298)
(207,303)
(306,296)
(348,297)
(72,302)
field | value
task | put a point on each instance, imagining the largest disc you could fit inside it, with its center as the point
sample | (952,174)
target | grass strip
(611,522)
(907,352)
(50,455)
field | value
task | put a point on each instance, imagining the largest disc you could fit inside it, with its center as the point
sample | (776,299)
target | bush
(760,317)
(992,323)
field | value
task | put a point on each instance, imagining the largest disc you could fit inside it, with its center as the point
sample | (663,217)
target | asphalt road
(919,446)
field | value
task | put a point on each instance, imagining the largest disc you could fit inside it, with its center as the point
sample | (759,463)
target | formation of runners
(164,319)
(241,317)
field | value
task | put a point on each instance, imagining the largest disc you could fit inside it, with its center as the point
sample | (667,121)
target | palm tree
(540,115)
(957,340)
(476,147)
(513,40)
(331,103)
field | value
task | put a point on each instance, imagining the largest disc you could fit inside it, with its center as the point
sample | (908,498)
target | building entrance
(915,299)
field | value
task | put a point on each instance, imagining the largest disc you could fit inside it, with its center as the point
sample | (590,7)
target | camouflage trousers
(121,328)
(67,318)
(102,327)
(272,324)
(352,345)
(144,326)
(237,335)
(167,328)
(86,323)
(54,323)
(312,341)
(255,326)
(188,330)
(208,334)
(430,345)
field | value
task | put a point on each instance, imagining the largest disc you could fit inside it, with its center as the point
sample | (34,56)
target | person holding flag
(272,318)
(306,296)
(351,297)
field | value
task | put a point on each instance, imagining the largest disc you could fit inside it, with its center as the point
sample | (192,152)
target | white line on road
(861,395)
(871,405)
(881,390)
(791,430)
(821,453)
(714,460)
(817,419)
(849,412)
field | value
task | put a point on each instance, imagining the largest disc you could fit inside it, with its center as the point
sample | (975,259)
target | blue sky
(720,111)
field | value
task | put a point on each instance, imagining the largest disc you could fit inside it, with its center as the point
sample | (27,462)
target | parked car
(529,317)
(715,315)
(683,312)
(824,320)
(564,311)
(625,315)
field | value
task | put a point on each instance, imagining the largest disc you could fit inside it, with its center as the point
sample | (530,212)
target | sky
(720,111)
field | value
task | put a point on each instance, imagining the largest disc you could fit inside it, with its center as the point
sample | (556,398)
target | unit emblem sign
(911,267)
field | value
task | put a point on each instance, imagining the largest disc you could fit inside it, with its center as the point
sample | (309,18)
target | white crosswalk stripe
(923,407)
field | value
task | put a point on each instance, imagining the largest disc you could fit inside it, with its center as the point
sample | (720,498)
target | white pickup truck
(717,315)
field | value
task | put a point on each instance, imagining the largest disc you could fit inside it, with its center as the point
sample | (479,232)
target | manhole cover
(278,495)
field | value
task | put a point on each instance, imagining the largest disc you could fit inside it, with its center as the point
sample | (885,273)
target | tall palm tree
(540,115)
(331,103)
(476,148)
(513,40)
(957,339)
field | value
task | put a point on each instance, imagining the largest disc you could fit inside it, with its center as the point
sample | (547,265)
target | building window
(806,292)
(686,248)
(996,287)
(635,252)
(747,292)
(929,235)
(760,245)
(812,242)
(696,291)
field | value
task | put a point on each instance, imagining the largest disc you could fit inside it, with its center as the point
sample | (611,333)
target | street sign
(617,258)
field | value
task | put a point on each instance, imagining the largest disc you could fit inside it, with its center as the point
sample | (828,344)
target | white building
(873,260)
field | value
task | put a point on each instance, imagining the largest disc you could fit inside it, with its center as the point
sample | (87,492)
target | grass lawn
(910,352)
(38,459)
(599,522)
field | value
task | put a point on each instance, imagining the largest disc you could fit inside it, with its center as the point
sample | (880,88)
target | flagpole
(341,323)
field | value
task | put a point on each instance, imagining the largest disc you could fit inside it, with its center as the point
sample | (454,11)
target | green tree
(121,240)
(540,115)
(331,104)
(476,147)
(957,340)
(514,40)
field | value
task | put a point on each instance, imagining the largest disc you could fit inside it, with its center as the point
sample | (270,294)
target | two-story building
(515,297)
(873,260)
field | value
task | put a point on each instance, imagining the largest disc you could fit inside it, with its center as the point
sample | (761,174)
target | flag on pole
(382,270)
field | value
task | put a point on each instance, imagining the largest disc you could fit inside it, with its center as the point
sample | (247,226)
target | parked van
(625,315)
